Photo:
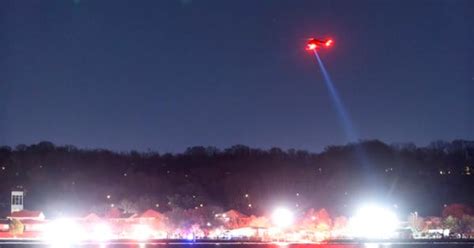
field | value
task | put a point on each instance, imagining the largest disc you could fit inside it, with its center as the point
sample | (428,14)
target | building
(92,218)
(33,221)
(151,214)
(27,215)
(17,201)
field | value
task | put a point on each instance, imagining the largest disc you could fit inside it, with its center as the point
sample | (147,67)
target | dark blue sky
(167,75)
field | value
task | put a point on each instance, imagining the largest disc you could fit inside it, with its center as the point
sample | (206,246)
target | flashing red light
(328,43)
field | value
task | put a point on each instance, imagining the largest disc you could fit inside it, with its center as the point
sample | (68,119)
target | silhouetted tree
(425,177)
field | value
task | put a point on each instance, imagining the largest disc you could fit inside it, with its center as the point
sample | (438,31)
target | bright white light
(373,222)
(242,232)
(63,233)
(282,217)
(102,232)
(190,236)
(371,245)
(142,232)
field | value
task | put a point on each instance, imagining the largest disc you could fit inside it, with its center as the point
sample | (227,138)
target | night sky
(165,75)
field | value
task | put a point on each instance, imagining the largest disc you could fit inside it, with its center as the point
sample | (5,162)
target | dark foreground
(244,244)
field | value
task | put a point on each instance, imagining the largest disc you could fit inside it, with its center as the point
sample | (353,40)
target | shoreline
(242,242)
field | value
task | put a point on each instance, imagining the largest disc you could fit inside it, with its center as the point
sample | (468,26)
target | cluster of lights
(315,43)
(68,232)
(370,221)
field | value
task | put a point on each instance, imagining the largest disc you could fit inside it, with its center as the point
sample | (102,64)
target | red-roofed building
(151,214)
(152,218)
(27,215)
(233,219)
(33,221)
(92,217)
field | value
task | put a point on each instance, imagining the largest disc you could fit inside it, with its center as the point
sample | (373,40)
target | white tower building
(17,201)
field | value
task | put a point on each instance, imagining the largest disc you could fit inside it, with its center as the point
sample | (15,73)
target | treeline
(64,179)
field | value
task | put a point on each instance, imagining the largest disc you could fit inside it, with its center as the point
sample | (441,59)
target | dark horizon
(407,178)
(360,141)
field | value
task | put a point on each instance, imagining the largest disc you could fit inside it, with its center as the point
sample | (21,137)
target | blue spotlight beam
(345,120)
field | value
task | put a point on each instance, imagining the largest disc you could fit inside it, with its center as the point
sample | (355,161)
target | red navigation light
(328,43)
(311,47)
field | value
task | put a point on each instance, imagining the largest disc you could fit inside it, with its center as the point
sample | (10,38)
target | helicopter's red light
(311,46)
(328,43)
